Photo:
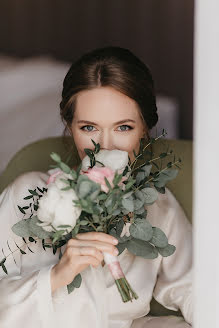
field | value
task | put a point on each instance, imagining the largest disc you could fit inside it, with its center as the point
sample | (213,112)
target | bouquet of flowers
(106,193)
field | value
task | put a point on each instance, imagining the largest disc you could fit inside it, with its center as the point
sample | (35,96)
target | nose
(106,141)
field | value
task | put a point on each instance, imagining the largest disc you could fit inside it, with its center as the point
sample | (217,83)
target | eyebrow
(119,122)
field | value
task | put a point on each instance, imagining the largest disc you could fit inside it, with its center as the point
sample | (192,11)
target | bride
(108,96)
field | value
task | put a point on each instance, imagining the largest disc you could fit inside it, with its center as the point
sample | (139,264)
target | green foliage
(65,168)
(159,238)
(128,204)
(55,157)
(167,251)
(141,229)
(123,239)
(37,230)
(56,235)
(163,177)
(142,248)
(76,283)
(21,228)
(143,172)
(107,212)
(150,195)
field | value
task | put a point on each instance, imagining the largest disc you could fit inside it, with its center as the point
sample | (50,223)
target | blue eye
(125,127)
(90,127)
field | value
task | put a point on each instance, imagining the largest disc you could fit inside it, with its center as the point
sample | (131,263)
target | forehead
(105,102)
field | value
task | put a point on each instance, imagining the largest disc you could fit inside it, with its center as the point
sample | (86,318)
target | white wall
(206,165)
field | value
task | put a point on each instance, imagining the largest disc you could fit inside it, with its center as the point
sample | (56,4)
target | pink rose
(97,174)
(54,174)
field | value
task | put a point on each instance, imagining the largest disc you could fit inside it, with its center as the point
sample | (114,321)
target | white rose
(56,207)
(114,159)
(59,183)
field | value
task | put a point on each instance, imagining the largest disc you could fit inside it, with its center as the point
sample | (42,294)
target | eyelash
(130,128)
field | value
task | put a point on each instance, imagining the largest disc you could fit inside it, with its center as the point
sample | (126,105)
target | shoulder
(29,180)
(12,197)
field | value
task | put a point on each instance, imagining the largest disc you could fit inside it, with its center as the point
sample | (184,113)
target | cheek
(128,143)
(81,141)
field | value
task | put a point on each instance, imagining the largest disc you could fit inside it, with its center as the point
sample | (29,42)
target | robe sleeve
(173,288)
(25,299)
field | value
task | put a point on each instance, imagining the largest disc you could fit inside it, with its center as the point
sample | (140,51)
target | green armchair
(36,157)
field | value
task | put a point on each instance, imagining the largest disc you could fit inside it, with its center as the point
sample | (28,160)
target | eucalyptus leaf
(159,238)
(94,194)
(66,188)
(125,211)
(138,204)
(141,229)
(116,212)
(167,251)
(160,190)
(117,179)
(164,177)
(83,222)
(3,261)
(64,226)
(141,211)
(21,228)
(73,174)
(75,230)
(128,204)
(65,168)
(150,195)
(140,195)
(4,268)
(102,196)
(126,195)
(28,197)
(139,177)
(55,157)
(143,173)
(108,201)
(37,230)
(121,247)
(76,283)
(33,192)
(129,184)
(84,189)
(107,183)
(21,209)
(142,248)
(57,235)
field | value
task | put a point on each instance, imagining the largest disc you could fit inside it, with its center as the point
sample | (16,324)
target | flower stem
(135,160)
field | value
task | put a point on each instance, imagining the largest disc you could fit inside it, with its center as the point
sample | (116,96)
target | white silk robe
(25,293)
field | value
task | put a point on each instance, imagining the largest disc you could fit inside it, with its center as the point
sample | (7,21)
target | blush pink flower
(97,174)
(54,174)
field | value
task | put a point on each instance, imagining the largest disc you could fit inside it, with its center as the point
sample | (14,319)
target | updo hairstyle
(115,67)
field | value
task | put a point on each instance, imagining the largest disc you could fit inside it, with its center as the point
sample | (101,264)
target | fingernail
(116,252)
(115,241)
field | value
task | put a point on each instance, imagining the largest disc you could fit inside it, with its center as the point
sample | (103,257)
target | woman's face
(110,118)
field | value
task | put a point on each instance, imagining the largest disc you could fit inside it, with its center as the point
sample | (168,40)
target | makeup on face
(110,118)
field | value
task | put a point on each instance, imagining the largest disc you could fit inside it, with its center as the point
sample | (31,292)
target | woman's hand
(83,250)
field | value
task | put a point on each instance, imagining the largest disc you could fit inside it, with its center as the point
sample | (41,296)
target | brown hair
(110,66)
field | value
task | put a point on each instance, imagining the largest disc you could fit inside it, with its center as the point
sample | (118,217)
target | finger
(89,260)
(83,251)
(100,236)
(102,246)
